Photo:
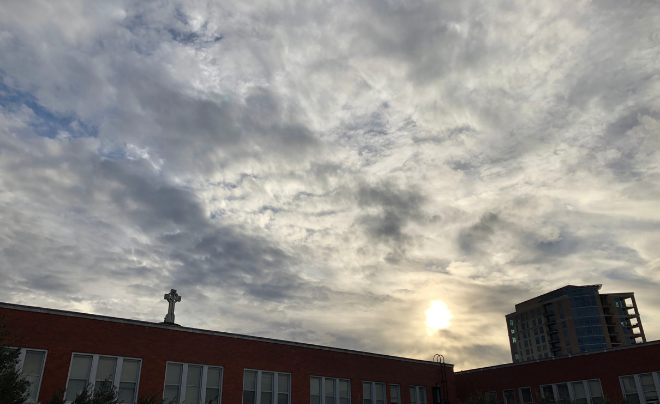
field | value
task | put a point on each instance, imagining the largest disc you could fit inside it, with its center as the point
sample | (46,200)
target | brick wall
(62,335)
(606,366)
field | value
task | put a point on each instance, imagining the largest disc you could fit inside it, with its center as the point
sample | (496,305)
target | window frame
(257,392)
(93,367)
(585,385)
(417,387)
(398,389)
(21,362)
(184,380)
(322,388)
(520,389)
(638,385)
(504,396)
(373,391)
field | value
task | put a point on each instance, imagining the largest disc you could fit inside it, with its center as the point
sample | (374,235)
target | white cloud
(321,173)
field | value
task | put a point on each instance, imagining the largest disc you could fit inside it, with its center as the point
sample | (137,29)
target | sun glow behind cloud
(272,162)
(438,316)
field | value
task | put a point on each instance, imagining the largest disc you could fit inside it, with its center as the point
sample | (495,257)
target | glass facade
(588,325)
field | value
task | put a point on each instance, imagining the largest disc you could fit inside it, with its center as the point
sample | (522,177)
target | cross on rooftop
(172,298)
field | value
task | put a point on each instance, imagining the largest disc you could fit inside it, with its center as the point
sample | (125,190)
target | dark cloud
(396,208)
(323,173)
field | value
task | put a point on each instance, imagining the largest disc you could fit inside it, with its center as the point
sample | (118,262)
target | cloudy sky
(322,171)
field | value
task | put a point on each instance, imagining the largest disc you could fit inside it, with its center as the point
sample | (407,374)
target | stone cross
(172,298)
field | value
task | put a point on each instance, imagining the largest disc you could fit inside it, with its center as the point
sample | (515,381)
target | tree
(14,388)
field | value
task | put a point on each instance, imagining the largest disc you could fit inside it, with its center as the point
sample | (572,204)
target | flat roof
(506,365)
(526,304)
(176,327)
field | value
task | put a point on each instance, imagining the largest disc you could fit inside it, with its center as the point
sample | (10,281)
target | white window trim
(91,377)
(337,380)
(569,386)
(585,384)
(418,395)
(398,389)
(21,361)
(373,391)
(638,384)
(257,398)
(184,379)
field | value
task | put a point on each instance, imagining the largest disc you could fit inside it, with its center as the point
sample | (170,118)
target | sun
(437,316)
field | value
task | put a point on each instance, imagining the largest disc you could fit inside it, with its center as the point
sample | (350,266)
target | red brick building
(632,371)
(62,349)
(70,350)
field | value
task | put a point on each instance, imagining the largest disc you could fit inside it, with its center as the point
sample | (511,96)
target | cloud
(322,174)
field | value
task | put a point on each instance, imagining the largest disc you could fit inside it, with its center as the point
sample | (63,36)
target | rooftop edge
(174,327)
(656,342)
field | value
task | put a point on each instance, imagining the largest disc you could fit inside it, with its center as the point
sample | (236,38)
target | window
(326,390)
(526,395)
(547,391)
(537,341)
(509,397)
(543,338)
(260,387)
(648,387)
(513,340)
(570,351)
(562,391)
(513,331)
(534,323)
(511,323)
(213,385)
(595,391)
(491,396)
(630,389)
(103,371)
(417,395)
(192,384)
(31,362)
(579,393)
(536,331)
(641,388)
(373,393)
(567,342)
(395,394)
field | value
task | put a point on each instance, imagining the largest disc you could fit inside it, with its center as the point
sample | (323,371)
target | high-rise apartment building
(571,320)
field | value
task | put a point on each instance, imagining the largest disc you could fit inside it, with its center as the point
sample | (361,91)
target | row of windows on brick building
(196,384)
